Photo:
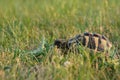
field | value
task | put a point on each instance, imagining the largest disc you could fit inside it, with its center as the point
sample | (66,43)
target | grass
(24,24)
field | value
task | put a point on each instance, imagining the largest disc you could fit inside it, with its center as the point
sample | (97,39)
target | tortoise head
(61,44)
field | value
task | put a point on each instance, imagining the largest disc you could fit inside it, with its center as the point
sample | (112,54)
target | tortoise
(93,41)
